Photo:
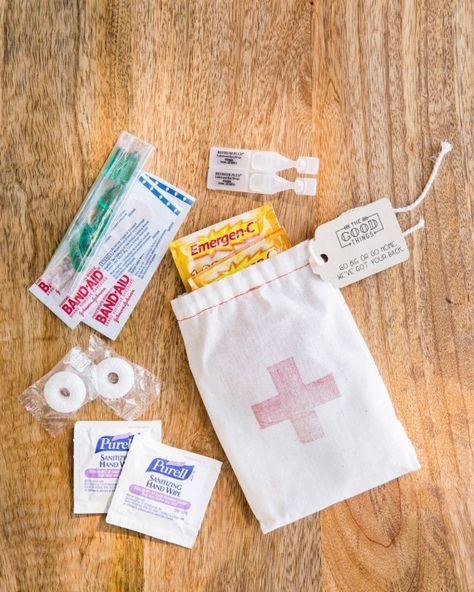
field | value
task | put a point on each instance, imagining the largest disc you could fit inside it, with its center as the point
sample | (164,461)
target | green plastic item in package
(72,259)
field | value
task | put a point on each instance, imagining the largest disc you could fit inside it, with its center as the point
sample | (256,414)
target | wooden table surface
(370,87)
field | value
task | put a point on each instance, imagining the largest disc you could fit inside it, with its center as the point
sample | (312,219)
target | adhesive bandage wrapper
(260,160)
(170,206)
(163,492)
(198,251)
(54,398)
(100,450)
(125,387)
(126,260)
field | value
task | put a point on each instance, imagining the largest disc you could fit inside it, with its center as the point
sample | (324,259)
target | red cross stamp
(296,401)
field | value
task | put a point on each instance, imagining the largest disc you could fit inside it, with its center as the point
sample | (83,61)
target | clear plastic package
(70,264)
(53,399)
(128,389)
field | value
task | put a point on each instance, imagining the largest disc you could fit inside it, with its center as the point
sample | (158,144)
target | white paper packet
(100,450)
(163,491)
(291,389)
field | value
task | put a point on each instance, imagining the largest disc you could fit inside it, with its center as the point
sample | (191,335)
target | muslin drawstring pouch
(291,389)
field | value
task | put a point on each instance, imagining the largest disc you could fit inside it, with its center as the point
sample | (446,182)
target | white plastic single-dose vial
(260,161)
(269,184)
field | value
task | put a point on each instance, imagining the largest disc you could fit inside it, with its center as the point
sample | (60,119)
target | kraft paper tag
(359,243)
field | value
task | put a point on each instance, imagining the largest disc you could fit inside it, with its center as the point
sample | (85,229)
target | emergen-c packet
(163,491)
(202,249)
(256,252)
(100,449)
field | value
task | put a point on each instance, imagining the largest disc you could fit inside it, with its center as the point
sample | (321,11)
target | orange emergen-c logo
(223,239)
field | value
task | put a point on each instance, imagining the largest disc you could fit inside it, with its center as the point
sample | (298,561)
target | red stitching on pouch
(243,293)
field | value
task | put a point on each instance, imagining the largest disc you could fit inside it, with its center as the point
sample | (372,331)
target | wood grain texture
(372,87)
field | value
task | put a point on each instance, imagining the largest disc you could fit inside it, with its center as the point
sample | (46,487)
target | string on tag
(417,226)
(365,240)
(445,148)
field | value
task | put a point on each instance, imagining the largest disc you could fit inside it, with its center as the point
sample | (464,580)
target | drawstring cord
(446,147)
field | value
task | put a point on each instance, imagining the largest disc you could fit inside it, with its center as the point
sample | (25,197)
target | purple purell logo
(176,470)
(120,442)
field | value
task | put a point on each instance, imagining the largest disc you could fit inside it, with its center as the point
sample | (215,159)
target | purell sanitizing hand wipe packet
(100,450)
(163,491)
